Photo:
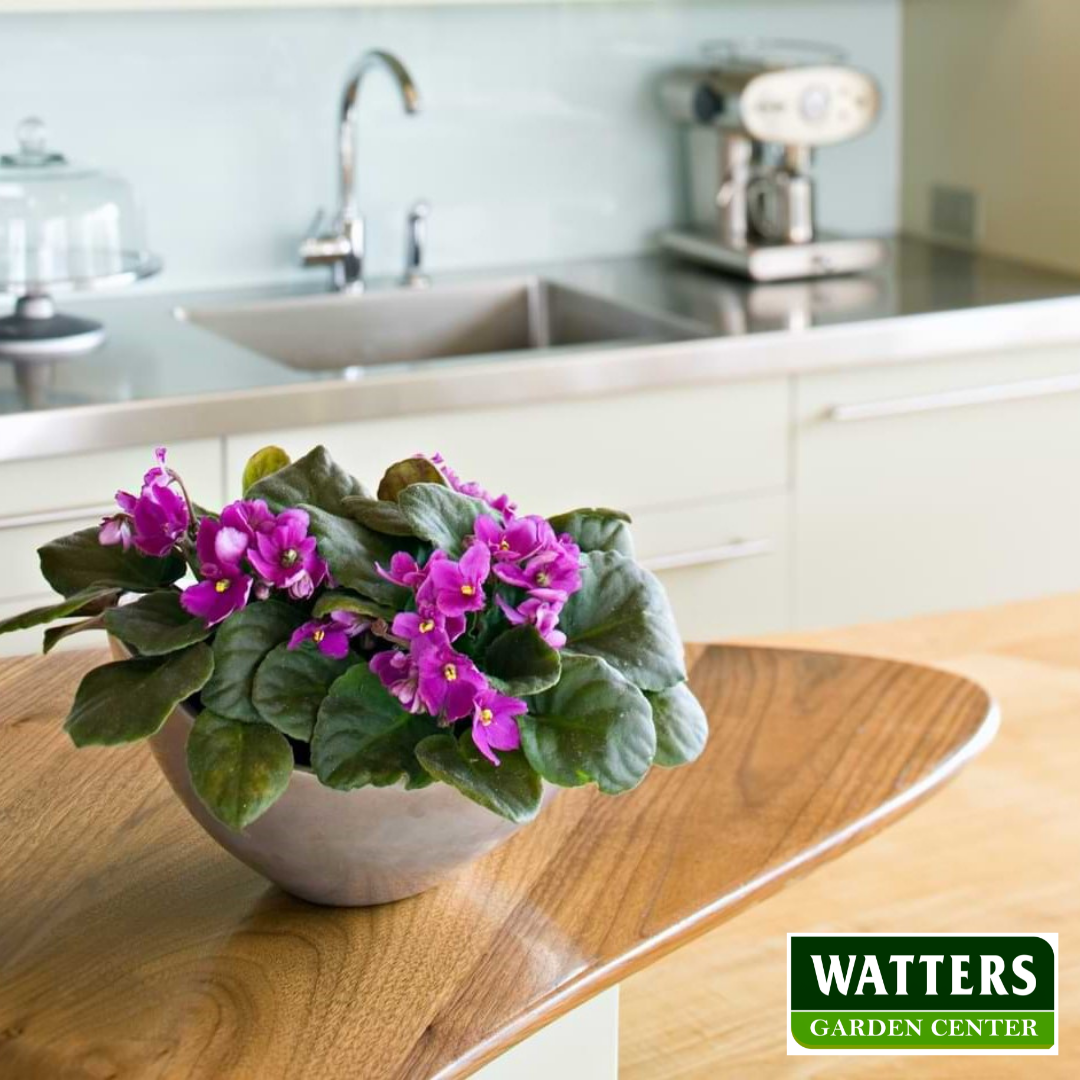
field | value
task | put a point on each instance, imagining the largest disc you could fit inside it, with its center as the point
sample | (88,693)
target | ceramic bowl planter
(344,848)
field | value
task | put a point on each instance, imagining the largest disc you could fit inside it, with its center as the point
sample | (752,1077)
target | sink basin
(342,333)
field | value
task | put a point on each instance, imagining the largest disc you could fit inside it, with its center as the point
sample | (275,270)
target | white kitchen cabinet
(44,498)
(631,451)
(930,487)
(724,564)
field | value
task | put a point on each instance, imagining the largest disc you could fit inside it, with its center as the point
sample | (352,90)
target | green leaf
(238,770)
(240,646)
(263,463)
(290,685)
(76,604)
(621,614)
(364,736)
(597,530)
(351,551)
(594,726)
(314,479)
(522,662)
(55,634)
(131,699)
(338,600)
(414,470)
(510,789)
(383,517)
(78,561)
(442,516)
(682,728)
(156,624)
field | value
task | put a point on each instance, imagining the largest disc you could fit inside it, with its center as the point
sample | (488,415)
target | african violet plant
(427,633)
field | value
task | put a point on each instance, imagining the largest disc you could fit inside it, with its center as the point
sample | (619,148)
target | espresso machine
(752,118)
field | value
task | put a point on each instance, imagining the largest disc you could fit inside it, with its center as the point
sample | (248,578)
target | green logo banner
(925,993)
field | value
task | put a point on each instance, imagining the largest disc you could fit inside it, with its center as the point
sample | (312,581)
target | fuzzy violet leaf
(596,530)
(593,727)
(80,561)
(682,728)
(363,736)
(519,662)
(291,684)
(241,644)
(156,624)
(55,634)
(238,770)
(622,614)
(88,601)
(314,479)
(263,463)
(131,699)
(382,517)
(339,600)
(414,470)
(512,789)
(351,551)
(442,516)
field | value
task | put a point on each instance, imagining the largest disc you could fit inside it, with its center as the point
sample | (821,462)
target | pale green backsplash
(540,139)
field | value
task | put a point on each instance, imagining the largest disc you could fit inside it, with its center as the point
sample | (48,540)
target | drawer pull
(737,549)
(956,399)
(46,517)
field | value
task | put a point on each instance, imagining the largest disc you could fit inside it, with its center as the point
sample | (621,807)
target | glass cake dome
(62,226)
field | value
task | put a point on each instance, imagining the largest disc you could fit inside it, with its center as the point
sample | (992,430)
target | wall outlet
(954,213)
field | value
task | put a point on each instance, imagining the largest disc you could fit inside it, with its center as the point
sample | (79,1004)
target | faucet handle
(416,243)
(323,247)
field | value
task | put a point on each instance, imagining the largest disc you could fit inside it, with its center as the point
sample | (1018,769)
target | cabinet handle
(956,399)
(46,517)
(737,549)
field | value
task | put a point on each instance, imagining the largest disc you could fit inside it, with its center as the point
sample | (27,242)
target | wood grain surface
(997,851)
(130,945)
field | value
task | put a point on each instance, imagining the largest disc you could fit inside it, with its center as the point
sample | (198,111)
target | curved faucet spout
(410,98)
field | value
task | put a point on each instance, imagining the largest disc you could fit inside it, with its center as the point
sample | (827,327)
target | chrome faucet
(342,247)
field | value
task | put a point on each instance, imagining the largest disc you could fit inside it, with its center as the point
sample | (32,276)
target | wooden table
(131,945)
(997,851)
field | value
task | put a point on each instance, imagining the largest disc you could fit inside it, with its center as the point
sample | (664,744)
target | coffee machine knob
(814,103)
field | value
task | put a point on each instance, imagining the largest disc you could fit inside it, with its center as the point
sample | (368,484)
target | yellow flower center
(467,590)
(290,557)
(504,544)
(318,635)
(542,578)
(449,672)
(427,626)
(221,586)
(486,716)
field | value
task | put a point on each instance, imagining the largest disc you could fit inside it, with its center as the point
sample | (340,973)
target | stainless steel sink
(342,333)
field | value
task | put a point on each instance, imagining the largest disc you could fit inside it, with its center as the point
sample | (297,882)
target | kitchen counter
(158,379)
(995,852)
(131,945)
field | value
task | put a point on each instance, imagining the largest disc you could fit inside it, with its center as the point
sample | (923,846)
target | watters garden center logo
(922,994)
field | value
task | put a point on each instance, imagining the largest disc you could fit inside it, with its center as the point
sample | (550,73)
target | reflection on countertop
(728,328)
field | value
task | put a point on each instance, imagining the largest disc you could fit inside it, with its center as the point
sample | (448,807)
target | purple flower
(538,613)
(284,555)
(161,518)
(519,539)
(119,528)
(220,549)
(550,576)
(215,600)
(449,682)
(457,587)
(155,520)
(399,673)
(403,570)
(249,515)
(331,635)
(494,723)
